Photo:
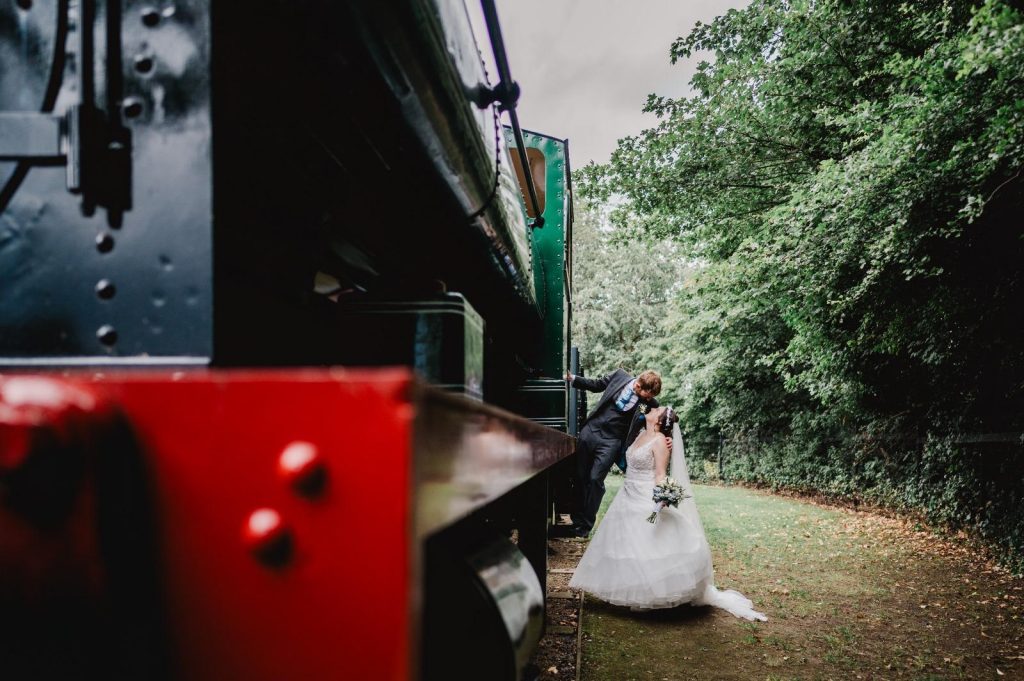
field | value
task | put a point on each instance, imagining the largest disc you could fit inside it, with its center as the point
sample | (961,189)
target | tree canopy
(621,291)
(849,175)
(846,180)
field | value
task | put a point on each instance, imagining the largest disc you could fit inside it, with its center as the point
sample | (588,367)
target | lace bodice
(640,462)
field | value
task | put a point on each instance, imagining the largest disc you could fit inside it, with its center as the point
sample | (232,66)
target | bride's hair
(665,421)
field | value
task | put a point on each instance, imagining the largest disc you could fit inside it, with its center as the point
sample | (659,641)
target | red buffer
(257,525)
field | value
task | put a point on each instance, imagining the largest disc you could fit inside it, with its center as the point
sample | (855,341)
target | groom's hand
(569,376)
(668,442)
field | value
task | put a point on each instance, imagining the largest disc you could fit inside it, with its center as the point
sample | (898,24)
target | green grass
(847,594)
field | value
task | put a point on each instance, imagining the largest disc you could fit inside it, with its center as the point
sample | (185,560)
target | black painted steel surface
(120,271)
(213,158)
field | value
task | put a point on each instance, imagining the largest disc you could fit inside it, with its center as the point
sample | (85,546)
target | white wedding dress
(634,563)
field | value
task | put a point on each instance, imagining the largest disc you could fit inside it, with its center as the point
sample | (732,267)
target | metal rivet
(150,17)
(143,63)
(267,537)
(104,243)
(107,334)
(302,467)
(105,289)
(132,107)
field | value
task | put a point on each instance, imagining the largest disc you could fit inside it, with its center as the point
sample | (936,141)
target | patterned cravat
(627,398)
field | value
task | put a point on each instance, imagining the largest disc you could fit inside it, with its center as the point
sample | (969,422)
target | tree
(847,177)
(849,173)
(621,289)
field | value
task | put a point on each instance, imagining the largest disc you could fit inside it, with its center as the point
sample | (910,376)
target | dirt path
(849,595)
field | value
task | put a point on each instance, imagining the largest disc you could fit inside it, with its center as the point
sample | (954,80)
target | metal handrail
(506,93)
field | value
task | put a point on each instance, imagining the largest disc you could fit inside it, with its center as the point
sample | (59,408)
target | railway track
(559,652)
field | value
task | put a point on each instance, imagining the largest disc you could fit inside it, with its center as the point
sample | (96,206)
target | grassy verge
(848,595)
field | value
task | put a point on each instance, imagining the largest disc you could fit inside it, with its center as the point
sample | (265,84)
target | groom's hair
(668,418)
(650,380)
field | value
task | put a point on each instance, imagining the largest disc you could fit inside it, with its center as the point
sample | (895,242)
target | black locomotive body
(194,188)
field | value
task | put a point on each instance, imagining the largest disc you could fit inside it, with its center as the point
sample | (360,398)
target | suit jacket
(610,386)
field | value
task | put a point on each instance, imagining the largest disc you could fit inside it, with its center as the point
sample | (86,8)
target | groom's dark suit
(607,433)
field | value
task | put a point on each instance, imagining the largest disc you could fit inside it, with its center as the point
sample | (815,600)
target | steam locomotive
(284,315)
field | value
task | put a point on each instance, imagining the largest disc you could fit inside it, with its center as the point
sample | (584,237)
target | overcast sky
(587,66)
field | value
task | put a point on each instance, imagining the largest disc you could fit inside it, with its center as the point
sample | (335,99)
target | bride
(634,563)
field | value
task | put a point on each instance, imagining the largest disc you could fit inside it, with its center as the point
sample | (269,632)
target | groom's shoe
(579,532)
(556,531)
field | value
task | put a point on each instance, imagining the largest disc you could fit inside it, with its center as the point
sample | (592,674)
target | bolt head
(104,243)
(143,63)
(105,289)
(150,17)
(132,107)
(107,335)
(267,537)
(302,467)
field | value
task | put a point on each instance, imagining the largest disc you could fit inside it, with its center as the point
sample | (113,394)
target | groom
(610,428)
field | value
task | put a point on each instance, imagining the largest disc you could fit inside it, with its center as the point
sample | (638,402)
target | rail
(506,94)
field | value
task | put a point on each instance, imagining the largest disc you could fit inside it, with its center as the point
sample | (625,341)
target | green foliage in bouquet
(668,492)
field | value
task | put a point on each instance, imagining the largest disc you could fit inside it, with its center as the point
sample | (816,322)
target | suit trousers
(594,458)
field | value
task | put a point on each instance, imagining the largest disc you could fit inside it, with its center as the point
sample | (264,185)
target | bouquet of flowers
(667,493)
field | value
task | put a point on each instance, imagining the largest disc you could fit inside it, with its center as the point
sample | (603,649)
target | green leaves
(829,174)
(621,290)
(846,182)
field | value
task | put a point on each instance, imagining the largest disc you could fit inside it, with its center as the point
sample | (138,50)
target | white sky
(586,66)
